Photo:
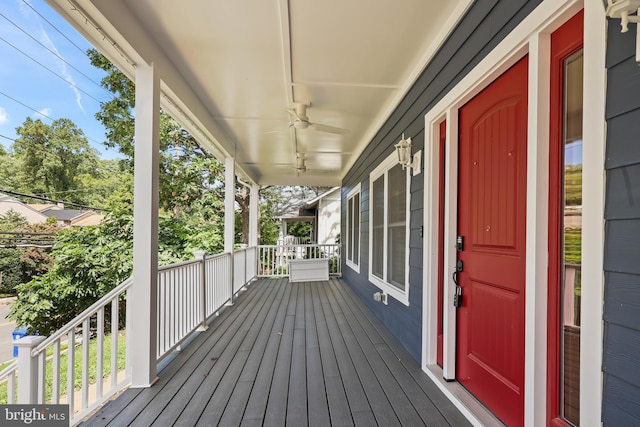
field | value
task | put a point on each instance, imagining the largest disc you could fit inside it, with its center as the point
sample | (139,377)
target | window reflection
(572,237)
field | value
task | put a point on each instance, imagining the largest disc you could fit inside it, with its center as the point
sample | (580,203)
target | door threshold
(476,412)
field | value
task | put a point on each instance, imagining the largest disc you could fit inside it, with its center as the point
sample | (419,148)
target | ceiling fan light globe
(299,124)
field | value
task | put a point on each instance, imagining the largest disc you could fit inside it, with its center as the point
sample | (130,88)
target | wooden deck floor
(288,354)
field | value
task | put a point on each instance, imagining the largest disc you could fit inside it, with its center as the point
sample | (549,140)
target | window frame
(384,284)
(356,191)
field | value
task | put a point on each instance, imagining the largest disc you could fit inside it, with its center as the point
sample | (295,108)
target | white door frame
(531,37)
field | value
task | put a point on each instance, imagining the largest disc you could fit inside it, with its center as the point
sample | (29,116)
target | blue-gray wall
(621,364)
(486,23)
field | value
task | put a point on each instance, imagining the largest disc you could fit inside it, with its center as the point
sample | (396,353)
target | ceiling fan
(301,166)
(301,120)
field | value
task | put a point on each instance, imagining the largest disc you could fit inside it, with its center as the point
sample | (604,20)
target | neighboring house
(33,216)
(72,217)
(322,212)
(326,209)
(478,263)
(68,217)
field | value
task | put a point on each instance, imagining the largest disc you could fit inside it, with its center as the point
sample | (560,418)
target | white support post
(254,215)
(229,212)
(27,369)
(537,243)
(201,255)
(145,228)
(594,156)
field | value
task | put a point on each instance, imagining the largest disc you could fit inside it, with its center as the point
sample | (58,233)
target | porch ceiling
(231,69)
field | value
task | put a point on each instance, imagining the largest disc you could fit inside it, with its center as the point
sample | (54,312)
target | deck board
(301,354)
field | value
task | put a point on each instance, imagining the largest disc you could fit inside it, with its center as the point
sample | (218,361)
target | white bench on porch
(308,270)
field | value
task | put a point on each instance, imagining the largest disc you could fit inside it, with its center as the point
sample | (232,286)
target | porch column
(229,212)
(254,214)
(143,327)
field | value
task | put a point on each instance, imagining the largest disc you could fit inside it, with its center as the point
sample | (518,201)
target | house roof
(64,214)
(7,198)
(41,206)
(315,200)
(33,214)
(94,219)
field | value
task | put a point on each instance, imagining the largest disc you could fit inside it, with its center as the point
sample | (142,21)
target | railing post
(201,255)
(27,369)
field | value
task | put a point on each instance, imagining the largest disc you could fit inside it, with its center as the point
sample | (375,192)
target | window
(353,228)
(565,222)
(389,207)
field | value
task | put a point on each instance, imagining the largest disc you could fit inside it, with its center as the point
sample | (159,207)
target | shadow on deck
(288,354)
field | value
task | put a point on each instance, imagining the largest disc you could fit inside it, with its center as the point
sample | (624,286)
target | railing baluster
(71,370)
(128,319)
(99,352)
(42,375)
(85,363)
(55,373)
(11,388)
(114,341)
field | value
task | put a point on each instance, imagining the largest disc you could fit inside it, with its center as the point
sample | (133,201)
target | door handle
(457,297)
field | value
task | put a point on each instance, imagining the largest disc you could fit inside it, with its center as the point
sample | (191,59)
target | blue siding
(486,23)
(621,358)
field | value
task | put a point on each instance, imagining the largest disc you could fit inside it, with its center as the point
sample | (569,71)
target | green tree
(269,226)
(89,262)
(52,158)
(10,168)
(12,221)
(10,270)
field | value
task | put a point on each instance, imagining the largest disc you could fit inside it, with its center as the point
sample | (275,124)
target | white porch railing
(189,294)
(245,267)
(46,369)
(79,364)
(273,259)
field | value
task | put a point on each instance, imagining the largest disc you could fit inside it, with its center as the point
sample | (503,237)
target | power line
(46,199)
(57,55)
(39,113)
(50,70)
(84,190)
(26,106)
(53,26)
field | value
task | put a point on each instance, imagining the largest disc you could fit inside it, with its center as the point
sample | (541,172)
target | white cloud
(62,67)
(4,117)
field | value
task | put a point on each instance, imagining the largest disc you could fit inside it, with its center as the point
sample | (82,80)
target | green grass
(77,366)
(573,246)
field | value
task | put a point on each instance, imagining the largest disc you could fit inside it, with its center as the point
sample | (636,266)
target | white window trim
(385,287)
(530,37)
(350,195)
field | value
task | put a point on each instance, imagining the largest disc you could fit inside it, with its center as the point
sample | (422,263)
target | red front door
(491,219)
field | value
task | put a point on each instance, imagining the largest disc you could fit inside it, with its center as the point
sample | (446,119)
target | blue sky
(67,88)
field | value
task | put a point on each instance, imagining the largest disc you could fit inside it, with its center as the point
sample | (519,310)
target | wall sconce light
(620,9)
(403,149)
